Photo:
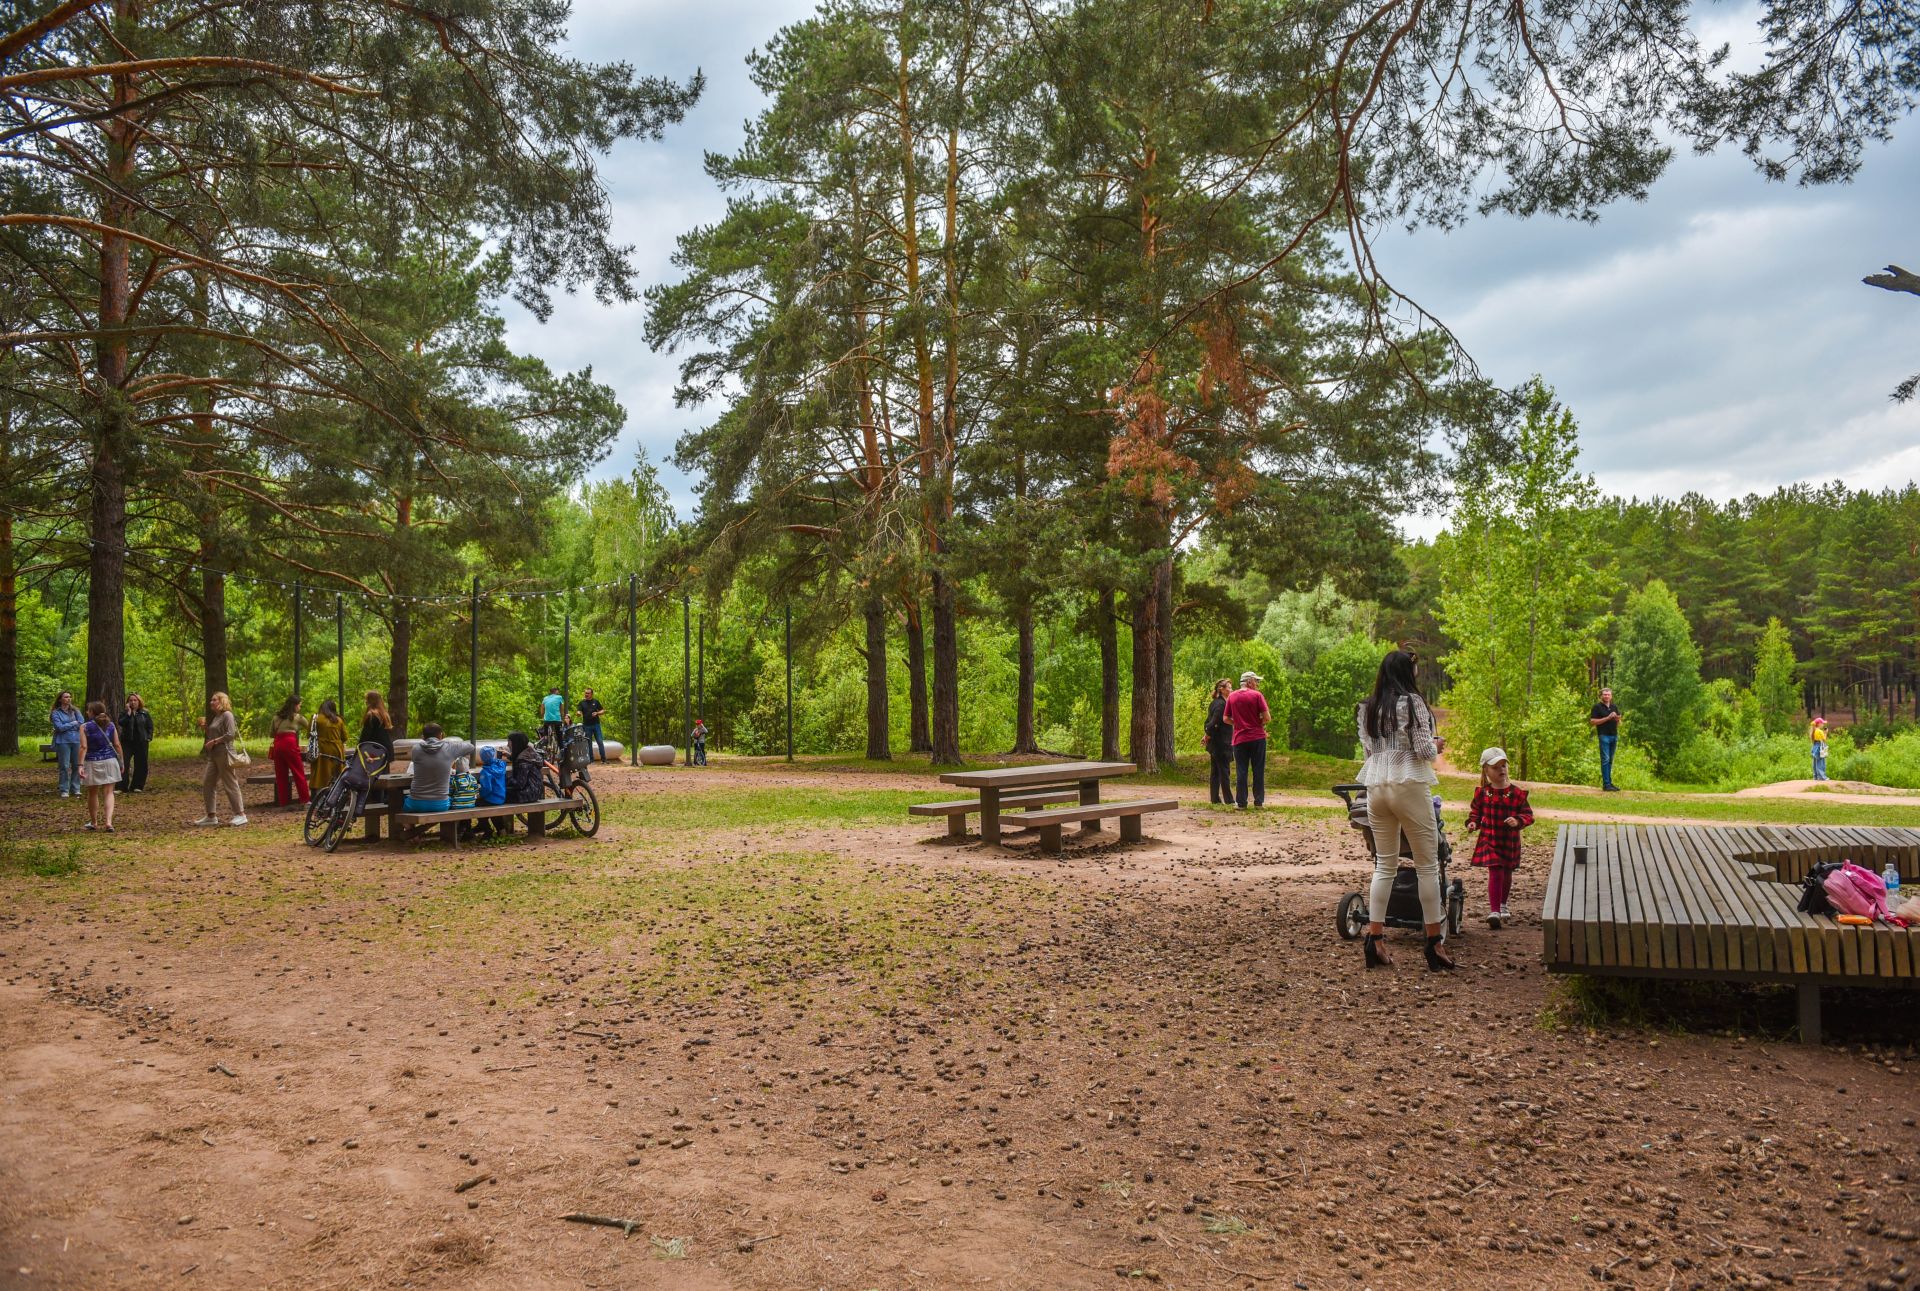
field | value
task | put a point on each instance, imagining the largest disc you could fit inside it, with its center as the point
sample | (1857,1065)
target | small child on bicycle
(1499,812)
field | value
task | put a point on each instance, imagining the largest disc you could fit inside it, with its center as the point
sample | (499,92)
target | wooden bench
(406,823)
(957,812)
(1721,904)
(48,752)
(1047,823)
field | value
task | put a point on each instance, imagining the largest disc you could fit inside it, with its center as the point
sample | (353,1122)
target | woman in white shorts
(100,767)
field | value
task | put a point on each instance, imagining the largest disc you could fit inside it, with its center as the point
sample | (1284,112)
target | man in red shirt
(1247,710)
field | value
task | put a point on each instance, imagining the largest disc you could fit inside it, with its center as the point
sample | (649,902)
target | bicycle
(565,775)
(320,806)
(345,798)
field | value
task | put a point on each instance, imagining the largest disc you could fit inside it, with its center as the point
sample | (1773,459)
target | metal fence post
(473,664)
(297,643)
(633,669)
(686,671)
(340,656)
(789,613)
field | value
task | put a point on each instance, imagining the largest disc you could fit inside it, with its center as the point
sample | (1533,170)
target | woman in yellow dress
(330,744)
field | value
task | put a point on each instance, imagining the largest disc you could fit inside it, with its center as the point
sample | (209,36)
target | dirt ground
(842,1052)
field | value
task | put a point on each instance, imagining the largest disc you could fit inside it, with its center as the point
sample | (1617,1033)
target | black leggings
(134,774)
(1220,778)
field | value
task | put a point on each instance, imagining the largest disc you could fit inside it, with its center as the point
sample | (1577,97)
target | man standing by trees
(1247,710)
(1605,721)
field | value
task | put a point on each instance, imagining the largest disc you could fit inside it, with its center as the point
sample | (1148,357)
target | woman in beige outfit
(222,777)
(1396,730)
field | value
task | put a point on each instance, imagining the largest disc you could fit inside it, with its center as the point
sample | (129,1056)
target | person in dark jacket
(590,710)
(377,726)
(136,738)
(1220,745)
(524,765)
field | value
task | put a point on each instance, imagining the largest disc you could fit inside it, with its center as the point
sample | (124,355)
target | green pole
(789,614)
(339,657)
(686,671)
(296,636)
(473,664)
(633,669)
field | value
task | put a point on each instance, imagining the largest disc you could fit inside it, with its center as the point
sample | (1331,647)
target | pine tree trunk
(877,717)
(1108,626)
(397,663)
(946,673)
(9,640)
(1142,742)
(919,736)
(1163,663)
(213,628)
(112,439)
(1024,740)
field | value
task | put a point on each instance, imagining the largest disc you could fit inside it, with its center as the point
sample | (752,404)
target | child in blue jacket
(493,789)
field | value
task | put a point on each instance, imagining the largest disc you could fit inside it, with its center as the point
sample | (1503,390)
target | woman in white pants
(1396,730)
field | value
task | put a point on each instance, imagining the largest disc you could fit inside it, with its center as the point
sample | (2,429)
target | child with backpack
(1499,812)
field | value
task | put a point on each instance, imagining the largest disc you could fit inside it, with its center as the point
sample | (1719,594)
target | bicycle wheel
(319,813)
(337,826)
(585,816)
(550,788)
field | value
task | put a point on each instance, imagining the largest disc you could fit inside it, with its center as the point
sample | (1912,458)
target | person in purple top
(100,768)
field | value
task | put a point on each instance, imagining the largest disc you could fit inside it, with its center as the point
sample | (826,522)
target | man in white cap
(1247,710)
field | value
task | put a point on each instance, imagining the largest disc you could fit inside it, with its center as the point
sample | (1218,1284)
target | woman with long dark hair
(1396,730)
(136,737)
(1220,745)
(67,742)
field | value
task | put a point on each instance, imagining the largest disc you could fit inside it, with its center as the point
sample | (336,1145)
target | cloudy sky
(1715,337)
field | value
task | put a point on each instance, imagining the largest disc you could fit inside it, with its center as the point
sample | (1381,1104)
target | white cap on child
(1490,756)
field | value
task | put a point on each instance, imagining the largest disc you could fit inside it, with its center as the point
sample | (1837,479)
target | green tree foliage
(1520,596)
(1656,674)
(1776,687)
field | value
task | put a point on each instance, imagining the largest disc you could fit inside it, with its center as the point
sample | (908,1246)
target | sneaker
(207,820)
(238,820)
(88,825)
(65,794)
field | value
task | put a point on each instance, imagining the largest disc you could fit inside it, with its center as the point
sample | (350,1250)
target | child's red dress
(1496,848)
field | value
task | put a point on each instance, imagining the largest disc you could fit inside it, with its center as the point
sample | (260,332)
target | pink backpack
(1854,889)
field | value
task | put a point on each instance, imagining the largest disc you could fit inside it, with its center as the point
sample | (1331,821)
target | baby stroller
(1403,907)
(334,809)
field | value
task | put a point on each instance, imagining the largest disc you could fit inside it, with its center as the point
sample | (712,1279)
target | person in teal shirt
(552,710)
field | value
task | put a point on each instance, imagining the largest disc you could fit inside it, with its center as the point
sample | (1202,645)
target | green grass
(40,860)
(1771,811)
(670,814)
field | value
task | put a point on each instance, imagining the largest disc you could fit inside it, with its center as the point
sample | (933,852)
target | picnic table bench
(1721,904)
(410,826)
(1034,787)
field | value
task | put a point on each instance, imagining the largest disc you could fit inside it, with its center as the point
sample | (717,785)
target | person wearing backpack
(492,790)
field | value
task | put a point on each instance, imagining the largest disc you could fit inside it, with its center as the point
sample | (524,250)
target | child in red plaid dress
(1499,812)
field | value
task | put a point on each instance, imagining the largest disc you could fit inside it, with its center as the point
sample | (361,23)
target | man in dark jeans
(1247,710)
(590,710)
(1605,721)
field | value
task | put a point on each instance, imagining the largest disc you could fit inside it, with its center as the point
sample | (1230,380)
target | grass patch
(787,923)
(1760,811)
(688,814)
(40,860)
(1227,1225)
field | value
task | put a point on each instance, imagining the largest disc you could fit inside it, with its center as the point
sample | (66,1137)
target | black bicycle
(566,776)
(334,809)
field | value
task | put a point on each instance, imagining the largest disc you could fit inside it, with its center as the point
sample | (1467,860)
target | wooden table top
(1051,773)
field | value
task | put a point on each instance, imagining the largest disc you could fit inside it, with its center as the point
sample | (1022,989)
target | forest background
(1046,370)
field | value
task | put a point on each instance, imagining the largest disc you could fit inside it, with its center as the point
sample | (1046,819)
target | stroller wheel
(1351,918)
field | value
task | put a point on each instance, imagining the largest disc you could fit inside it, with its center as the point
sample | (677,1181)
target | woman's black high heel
(1371,945)
(1437,962)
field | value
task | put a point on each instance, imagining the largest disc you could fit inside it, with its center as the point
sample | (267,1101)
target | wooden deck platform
(1721,903)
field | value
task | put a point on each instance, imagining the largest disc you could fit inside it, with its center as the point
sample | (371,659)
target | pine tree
(1656,674)
(1776,685)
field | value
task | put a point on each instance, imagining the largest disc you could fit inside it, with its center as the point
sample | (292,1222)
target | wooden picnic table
(1721,903)
(991,784)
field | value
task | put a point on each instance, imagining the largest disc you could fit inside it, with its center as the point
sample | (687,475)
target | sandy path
(910,1063)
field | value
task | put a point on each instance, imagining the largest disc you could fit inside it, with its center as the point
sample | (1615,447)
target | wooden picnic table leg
(536,824)
(957,825)
(990,814)
(1809,1013)
(1089,795)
